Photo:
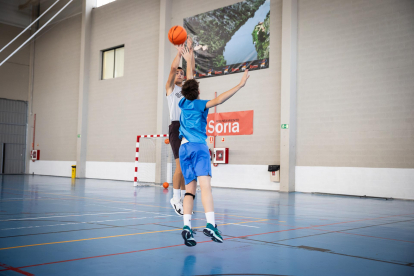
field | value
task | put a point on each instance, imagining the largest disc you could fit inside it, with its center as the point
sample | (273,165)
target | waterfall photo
(231,39)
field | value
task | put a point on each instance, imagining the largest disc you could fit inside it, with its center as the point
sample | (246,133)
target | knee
(190,194)
(178,171)
(178,175)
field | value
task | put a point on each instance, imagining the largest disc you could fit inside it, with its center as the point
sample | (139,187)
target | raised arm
(228,94)
(191,49)
(188,56)
(169,87)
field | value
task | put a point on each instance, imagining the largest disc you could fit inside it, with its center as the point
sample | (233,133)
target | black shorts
(175,141)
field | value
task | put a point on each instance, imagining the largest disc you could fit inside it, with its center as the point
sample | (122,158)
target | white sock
(210,218)
(182,194)
(187,220)
(176,194)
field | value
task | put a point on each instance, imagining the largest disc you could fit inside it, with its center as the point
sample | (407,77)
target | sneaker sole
(175,210)
(187,242)
(211,235)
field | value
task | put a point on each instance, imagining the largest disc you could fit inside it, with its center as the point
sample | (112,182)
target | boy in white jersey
(195,157)
(173,93)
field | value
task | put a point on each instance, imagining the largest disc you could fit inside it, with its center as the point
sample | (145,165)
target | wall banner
(231,39)
(230,123)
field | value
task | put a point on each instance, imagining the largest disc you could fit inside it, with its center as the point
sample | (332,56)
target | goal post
(154,161)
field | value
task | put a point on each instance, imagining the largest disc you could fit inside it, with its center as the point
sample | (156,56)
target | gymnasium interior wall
(122,108)
(249,155)
(355,98)
(14,74)
(55,97)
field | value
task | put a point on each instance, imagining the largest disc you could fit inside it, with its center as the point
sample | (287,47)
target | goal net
(154,160)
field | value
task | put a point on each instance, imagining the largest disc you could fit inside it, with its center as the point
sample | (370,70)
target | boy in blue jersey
(195,156)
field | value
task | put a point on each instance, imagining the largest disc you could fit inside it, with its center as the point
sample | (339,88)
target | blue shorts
(194,161)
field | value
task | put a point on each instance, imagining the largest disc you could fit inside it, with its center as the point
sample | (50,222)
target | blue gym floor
(53,226)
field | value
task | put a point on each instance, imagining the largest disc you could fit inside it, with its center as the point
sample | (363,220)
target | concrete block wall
(355,84)
(354,95)
(355,99)
(14,74)
(56,88)
(122,108)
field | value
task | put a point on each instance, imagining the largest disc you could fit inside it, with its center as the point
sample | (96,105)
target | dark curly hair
(190,90)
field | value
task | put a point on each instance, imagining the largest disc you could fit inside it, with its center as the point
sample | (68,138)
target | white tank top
(173,100)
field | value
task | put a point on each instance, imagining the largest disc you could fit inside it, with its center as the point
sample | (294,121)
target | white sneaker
(177,206)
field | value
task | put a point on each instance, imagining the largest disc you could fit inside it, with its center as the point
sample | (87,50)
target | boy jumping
(194,154)
(173,93)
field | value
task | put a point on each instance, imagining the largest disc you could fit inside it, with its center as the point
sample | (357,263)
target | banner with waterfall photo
(230,39)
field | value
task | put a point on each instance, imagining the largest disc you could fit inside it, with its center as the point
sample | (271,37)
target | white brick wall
(355,87)
(56,90)
(122,108)
(355,83)
(14,74)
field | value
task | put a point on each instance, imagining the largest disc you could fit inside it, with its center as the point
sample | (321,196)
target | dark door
(13,124)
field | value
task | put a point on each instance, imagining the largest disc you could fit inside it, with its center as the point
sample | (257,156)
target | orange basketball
(165,185)
(177,35)
(167,141)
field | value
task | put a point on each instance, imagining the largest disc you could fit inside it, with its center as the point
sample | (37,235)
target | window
(113,63)
(103,2)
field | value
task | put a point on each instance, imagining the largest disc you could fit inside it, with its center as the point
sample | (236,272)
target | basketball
(167,141)
(177,35)
(165,185)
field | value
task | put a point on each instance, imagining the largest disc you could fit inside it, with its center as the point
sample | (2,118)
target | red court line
(322,225)
(170,246)
(15,269)
(364,235)
(341,232)
(362,220)
(100,256)
(310,227)
(136,251)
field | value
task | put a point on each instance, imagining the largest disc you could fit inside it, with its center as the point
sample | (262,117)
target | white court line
(83,222)
(126,209)
(85,215)
(243,225)
(7,198)
(71,216)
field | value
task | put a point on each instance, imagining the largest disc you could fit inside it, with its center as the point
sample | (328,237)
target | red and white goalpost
(164,158)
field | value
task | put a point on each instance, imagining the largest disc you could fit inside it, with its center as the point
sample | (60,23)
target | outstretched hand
(185,53)
(179,48)
(245,77)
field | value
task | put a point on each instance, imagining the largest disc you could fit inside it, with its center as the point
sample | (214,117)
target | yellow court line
(124,235)
(133,203)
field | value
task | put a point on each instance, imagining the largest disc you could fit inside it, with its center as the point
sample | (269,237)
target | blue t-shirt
(193,120)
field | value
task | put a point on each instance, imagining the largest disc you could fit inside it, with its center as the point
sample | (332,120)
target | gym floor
(56,226)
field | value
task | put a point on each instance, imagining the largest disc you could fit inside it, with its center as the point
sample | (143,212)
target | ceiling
(10,13)
(18,12)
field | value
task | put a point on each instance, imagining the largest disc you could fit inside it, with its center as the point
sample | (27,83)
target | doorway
(13,125)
